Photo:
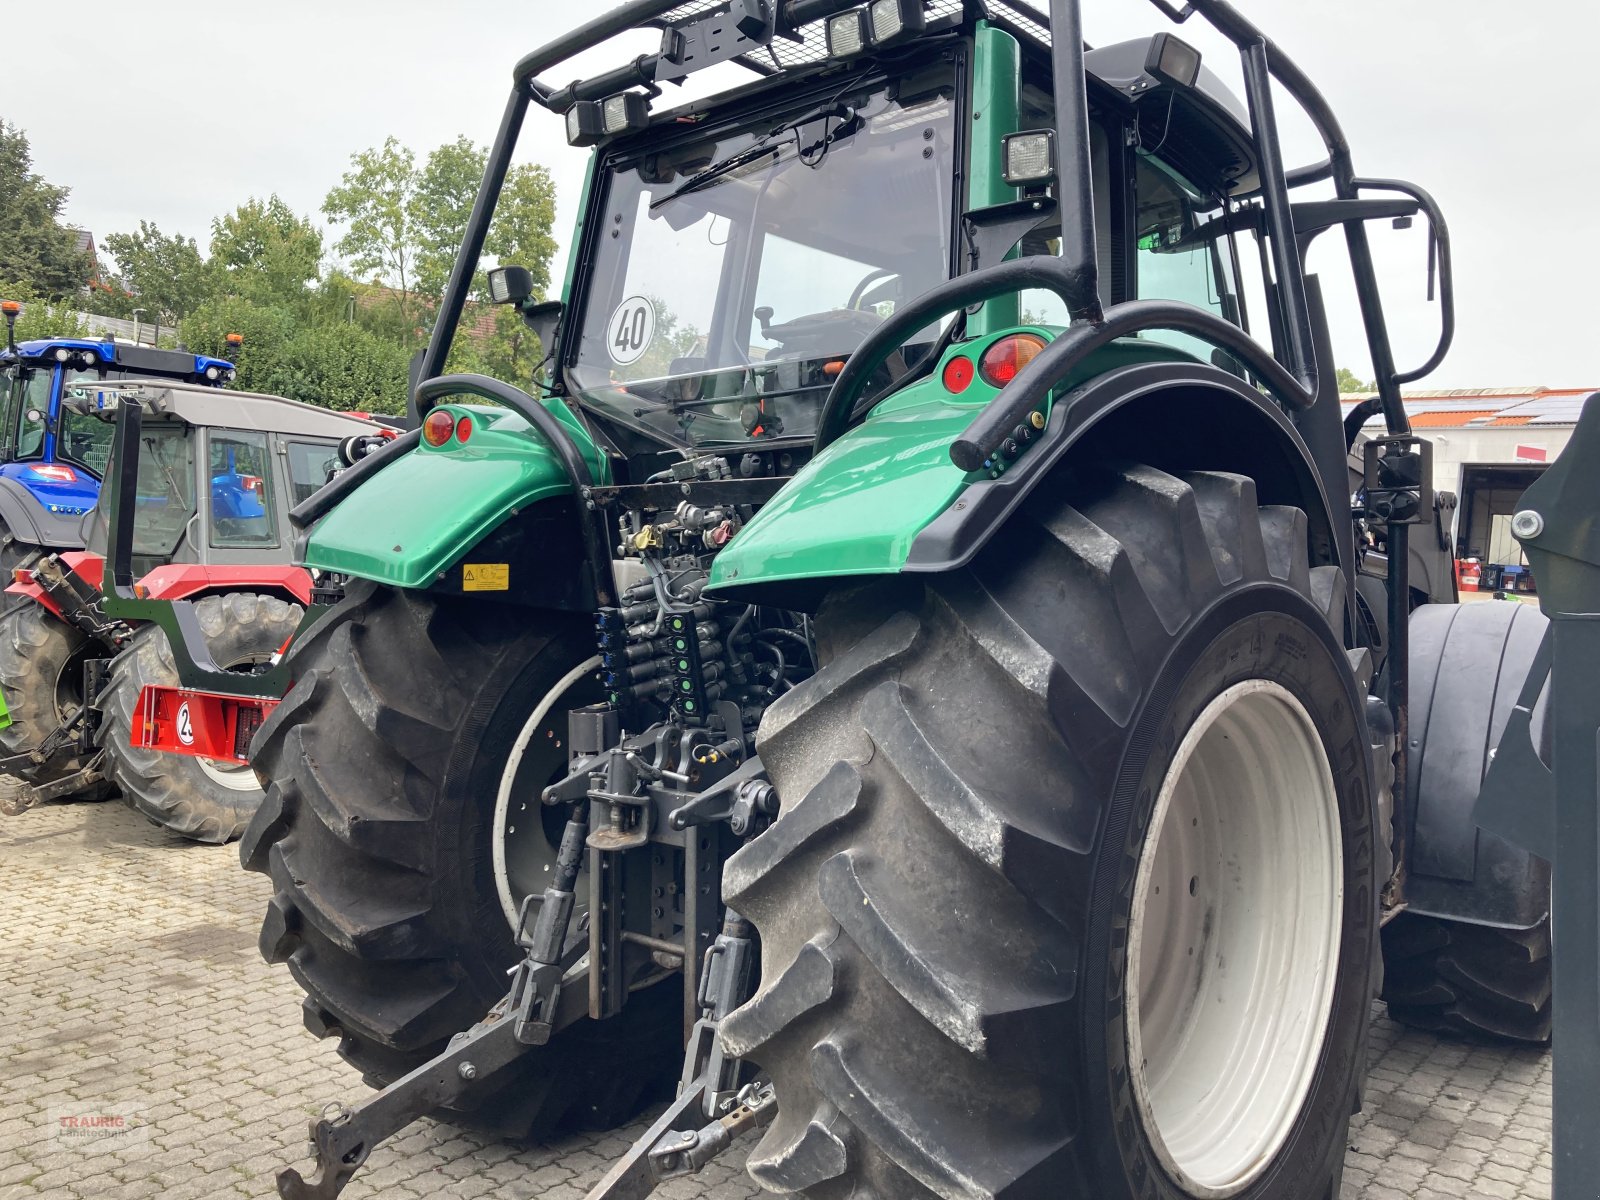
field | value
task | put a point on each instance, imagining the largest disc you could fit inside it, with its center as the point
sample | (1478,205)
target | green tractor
(908,653)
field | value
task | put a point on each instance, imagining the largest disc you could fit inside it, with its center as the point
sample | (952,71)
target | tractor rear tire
(383,766)
(13,554)
(1471,957)
(1072,889)
(198,799)
(41,673)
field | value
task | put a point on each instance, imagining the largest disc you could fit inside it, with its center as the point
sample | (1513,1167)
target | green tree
(441,202)
(37,252)
(265,253)
(41,318)
(266,331)
(341,367)
(524,223)
(375,203)
(167,275)
(1350,382)
(404,224)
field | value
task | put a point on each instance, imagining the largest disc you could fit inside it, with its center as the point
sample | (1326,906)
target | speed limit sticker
(631,330)
(185,725)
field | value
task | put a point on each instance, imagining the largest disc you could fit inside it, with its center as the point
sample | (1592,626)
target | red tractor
(196,502)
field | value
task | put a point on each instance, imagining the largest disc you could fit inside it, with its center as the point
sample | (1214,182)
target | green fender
(414,520)
(855,509)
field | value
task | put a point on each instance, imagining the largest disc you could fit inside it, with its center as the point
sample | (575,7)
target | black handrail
(991,427)
(317,505)
(1041,271)
(1447,287)
(561,442)
(995,423)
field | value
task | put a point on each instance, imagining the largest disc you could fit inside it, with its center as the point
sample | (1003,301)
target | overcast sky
(178,110)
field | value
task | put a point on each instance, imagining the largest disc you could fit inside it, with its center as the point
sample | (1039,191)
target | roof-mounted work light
(896,19)
(847,33)
(510,285)
(1173,61)
(878,24)
(590,122)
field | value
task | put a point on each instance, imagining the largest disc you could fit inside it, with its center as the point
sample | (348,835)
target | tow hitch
(555,984)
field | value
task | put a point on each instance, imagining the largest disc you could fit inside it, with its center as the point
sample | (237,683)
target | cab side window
(241,490)
(310,465)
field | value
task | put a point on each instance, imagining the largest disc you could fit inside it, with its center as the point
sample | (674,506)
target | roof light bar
(878,24)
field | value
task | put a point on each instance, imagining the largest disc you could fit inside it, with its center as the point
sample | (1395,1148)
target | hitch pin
(653,772)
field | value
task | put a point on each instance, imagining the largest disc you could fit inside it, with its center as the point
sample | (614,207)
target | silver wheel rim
(231,776)
(520,849)
(1234,939)
(235,777)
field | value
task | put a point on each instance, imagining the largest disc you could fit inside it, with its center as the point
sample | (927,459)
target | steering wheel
(871,277)
(839,331)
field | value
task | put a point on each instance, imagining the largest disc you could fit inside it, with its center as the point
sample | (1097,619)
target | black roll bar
(322,501)
(995,422)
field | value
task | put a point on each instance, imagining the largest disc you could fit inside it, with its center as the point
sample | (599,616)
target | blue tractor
(51,458)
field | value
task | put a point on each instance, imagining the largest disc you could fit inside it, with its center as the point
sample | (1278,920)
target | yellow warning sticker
(485,577)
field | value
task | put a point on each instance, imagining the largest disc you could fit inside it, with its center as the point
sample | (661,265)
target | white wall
(1455,448)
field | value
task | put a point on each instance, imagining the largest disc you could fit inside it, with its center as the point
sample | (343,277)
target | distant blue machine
(52,459)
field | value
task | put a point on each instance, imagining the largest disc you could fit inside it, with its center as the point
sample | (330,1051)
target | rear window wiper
(770,144)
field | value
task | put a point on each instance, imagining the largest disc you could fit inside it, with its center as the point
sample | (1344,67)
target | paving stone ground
(131,991)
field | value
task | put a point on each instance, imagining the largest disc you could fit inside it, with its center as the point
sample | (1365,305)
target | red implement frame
(202,724)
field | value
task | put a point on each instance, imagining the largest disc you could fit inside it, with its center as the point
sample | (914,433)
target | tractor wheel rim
(234,777)
(1234,939)
(521,849)
(231,776)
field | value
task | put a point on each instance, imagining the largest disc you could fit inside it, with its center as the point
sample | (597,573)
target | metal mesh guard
(812,47)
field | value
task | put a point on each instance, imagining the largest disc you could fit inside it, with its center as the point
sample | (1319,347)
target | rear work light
(437,427)
(1003,361)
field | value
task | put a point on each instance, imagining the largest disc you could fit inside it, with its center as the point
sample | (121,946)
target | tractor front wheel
(196,798)
(1072,891)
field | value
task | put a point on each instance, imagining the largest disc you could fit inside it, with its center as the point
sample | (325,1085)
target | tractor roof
(214,407)
(1209,117)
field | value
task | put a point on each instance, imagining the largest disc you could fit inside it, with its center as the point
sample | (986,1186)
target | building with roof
(1489,445)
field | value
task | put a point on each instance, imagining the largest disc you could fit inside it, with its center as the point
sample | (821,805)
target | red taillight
(53,472)
(256,484)
(958,374)
(463,429)
(1003,361)
(437,427)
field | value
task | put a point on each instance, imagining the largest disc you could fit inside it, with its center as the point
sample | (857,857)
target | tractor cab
(52,459)
(198,486)
(217,473)
(737,252)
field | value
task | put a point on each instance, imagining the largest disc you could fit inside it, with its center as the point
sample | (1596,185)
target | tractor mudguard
(29,520)
(411,523)
(87,566)
(185,581)
(885,498)
(1468,665)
